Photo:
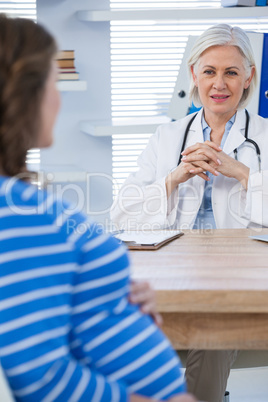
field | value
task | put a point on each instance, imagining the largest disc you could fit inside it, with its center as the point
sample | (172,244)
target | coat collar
(196,130)
(235,137)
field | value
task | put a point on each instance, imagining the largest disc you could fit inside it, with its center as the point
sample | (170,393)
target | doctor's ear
(194,76)
(248,81)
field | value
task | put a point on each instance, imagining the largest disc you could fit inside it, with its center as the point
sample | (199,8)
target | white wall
(72,147)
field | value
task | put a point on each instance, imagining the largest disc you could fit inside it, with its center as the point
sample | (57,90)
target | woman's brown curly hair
(26,53)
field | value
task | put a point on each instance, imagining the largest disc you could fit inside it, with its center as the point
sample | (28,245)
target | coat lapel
(236,136)
(195,132)
(195,135)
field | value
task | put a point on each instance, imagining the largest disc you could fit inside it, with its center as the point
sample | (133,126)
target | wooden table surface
(212,288)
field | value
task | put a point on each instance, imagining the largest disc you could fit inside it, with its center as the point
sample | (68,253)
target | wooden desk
(212,288)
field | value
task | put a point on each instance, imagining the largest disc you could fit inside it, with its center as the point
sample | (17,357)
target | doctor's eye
(209,72)
(232,73)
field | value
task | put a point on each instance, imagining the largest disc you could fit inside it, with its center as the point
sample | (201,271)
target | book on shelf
(67,70)
(65,54)
(244,3)
(62,63)
(68,76)
(66,65)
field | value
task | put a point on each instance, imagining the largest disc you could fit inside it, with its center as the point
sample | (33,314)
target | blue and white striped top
(67,330)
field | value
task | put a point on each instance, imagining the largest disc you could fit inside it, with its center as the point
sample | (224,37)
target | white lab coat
(142,201)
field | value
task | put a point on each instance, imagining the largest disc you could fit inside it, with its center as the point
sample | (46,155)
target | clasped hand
(209,157)
(201,158)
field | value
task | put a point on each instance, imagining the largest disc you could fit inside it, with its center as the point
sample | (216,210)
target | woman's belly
(128,347)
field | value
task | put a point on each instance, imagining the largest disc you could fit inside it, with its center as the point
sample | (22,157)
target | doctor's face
(221,78)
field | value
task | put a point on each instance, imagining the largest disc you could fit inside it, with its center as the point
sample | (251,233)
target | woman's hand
(204,158)
(230,167)
(142,293)
(196,160)
(217,160)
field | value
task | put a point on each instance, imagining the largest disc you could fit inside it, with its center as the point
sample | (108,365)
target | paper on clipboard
(261,238)
(148,239)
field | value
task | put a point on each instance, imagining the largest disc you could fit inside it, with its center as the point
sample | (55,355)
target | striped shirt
(67,330)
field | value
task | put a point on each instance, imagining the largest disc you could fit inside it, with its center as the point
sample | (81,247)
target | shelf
(106,128)
(61,174)
(172,14)
(72,85)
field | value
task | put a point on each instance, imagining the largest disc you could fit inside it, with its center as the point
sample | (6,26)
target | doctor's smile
(219,98)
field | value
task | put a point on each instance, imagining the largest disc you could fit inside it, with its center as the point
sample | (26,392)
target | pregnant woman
(67,329)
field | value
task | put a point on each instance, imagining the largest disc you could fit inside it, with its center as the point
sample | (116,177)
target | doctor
(204,173)
(209,187)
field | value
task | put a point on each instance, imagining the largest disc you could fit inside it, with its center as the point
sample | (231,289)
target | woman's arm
(256,199)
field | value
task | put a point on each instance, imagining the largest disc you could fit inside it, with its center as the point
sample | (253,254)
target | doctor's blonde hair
(222,35)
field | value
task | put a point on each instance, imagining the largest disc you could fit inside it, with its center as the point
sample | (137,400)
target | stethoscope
(257,149)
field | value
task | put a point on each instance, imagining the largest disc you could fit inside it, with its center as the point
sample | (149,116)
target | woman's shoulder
(17,193)
(259,124)
(33,205)
(259,119)
(175,126)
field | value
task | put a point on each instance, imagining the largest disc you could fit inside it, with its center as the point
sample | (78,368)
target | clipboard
(147,239)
